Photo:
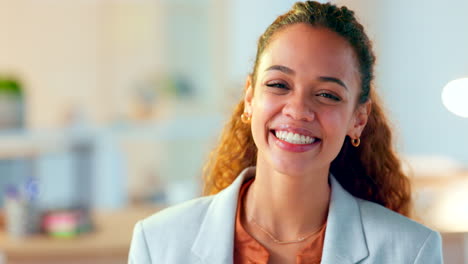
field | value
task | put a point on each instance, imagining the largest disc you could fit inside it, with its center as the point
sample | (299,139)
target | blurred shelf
(109,243)
(23,143)
(441,180)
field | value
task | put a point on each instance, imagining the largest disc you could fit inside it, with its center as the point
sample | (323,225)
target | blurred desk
(440,201)
(109,243)
(455,247)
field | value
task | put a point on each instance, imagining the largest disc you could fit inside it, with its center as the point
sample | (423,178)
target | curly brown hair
(373,171)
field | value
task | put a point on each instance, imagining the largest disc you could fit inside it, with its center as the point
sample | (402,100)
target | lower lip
(293,147)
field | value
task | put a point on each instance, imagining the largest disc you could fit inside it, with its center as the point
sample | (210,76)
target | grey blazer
(358,231)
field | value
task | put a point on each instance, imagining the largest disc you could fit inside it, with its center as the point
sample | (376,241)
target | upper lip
(294,129)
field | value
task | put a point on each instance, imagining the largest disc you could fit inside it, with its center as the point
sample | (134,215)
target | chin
(293,168)
(299,166)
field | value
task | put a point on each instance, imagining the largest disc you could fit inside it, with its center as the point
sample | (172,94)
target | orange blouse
(249,250)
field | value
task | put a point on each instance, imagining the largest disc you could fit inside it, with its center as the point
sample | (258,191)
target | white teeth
(297,138)
(294,138)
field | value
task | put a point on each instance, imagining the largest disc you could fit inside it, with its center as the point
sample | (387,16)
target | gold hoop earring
(356,142)
(245,118)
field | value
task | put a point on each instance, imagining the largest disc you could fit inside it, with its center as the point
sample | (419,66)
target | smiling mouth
(294,138)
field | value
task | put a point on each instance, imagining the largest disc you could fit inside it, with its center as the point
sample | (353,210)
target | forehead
(313,51)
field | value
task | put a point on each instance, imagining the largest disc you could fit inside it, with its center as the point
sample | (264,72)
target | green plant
(10,86)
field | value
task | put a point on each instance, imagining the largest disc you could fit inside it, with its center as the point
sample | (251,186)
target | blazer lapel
(215,240)
(344,237)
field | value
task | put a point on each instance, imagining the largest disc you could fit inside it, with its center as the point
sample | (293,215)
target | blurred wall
(79,54)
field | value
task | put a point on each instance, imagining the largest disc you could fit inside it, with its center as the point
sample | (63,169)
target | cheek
(264,109)
(265,102)
(263,112)
(336,122)
(259,119)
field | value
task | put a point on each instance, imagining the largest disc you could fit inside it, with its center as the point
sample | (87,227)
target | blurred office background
(109,108)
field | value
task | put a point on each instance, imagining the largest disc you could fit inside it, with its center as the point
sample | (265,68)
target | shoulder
(191,209)
(170,220)
(384,227)
(168,232)
(377,216)
(173,234)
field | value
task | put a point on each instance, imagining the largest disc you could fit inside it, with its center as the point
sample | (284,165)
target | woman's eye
(329,96)
(277,85)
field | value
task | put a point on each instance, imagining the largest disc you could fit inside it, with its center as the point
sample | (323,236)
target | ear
(361,115)
(249,93)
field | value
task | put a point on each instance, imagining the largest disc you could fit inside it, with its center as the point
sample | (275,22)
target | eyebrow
(290,71)
(281,69)
(333,79)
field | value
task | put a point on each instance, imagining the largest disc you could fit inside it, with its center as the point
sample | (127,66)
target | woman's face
(304,101)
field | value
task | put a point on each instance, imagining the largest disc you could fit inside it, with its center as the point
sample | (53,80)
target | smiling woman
(305,171)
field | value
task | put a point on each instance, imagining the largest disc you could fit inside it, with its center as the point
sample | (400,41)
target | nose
(297,108)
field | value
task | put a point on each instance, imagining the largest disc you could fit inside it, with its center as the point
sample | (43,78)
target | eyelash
(284,86)
(278,85)
(329,96)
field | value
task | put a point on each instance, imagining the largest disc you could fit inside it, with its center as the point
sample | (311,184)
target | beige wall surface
(78,54)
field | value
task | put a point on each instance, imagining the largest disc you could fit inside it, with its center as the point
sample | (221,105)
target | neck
(288,206)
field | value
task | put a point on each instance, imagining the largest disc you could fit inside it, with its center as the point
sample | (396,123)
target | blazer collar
(345,241)
(215,240)
(344,237)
